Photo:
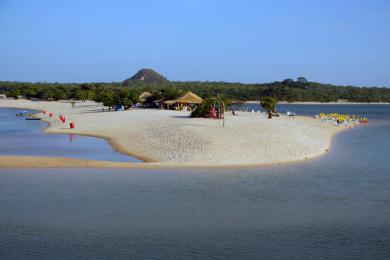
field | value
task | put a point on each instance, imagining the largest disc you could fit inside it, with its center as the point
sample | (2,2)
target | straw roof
(169,102)
(144,96)
(189,98)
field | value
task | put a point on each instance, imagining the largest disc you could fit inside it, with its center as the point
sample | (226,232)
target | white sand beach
(165,138)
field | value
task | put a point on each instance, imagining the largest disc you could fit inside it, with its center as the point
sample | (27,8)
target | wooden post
(223,113)
(223,110)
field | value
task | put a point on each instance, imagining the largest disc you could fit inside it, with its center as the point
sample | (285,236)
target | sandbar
(167,138)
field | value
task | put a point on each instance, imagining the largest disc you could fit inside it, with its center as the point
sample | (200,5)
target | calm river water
(24,137)
(334,207)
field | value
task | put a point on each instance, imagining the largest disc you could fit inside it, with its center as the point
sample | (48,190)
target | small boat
(33,118)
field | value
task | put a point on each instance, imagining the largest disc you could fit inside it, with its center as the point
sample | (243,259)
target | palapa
(144,96)
(189,98)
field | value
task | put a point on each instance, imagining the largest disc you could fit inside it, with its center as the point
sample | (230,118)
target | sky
(344,42)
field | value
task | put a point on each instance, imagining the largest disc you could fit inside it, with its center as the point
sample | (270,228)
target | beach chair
(290,114)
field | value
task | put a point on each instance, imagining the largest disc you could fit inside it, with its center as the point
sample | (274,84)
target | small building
(184,103)
(148,100)
(3,96)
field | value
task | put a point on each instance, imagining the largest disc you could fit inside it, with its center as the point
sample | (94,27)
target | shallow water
(334,207)
(20,137)
(374,112)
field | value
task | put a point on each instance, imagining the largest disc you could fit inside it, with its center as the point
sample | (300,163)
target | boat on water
(33,118)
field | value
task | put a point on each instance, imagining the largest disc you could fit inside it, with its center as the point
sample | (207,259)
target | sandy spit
(170,139)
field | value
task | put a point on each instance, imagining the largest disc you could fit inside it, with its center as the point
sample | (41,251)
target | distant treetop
(288,81)
(302,80)
(147,76)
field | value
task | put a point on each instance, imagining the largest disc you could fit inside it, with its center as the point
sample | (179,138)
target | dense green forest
(287,90)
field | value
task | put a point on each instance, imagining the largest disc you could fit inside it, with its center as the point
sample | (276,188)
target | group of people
(184,108)
(345,120)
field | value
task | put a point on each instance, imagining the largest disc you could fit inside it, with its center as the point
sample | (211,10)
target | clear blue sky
(341,42)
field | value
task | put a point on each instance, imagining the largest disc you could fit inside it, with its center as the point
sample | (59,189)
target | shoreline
(44,162)
(112,142)
(321,103)
(149,163)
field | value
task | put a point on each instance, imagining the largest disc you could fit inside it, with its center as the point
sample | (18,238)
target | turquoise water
(20,137)
(334,207)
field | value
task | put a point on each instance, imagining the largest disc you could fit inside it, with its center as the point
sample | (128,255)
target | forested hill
(146,76)
(287,90)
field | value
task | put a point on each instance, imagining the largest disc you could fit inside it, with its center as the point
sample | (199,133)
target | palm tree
(269,103)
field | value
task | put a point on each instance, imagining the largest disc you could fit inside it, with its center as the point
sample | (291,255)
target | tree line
(113,93)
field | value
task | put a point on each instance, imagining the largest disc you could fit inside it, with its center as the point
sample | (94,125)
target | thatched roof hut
(144,96)
(169,102)
(189,98)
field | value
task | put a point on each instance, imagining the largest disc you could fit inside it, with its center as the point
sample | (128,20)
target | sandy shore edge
(56,162)
(24,162)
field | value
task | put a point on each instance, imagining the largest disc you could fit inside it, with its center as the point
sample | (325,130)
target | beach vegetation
(268,104)
(108,99)
(126,97)
(205,108)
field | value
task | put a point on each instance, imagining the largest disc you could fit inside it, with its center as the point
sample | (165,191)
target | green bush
(203,110)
